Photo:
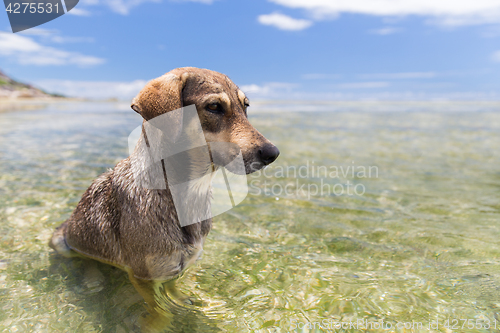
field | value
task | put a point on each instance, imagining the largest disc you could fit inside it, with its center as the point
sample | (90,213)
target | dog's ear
(159,96)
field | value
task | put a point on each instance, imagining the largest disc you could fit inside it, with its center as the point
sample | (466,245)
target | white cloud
(269,90)
(447,12)
(125,6)
(496,56)
(38,32)
(355,91)
(54,36)
(384,31)
(93,89)
(26,51)
(254,89)
(284,22)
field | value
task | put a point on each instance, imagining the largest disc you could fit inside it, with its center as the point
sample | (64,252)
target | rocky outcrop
(13,89)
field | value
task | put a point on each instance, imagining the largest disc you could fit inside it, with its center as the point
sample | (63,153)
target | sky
(272,49)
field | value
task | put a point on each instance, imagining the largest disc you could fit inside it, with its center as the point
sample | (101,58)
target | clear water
(421,243)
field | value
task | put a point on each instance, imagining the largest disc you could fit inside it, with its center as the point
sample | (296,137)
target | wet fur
(122,224)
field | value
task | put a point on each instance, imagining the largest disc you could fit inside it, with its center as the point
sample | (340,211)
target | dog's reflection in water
(166,305)
(113,304)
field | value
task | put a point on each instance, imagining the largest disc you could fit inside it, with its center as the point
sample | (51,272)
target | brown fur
(136,229)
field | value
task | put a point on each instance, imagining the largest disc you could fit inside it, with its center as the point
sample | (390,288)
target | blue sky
(273,49)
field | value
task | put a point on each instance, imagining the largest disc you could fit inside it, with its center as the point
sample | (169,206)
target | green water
(421,243)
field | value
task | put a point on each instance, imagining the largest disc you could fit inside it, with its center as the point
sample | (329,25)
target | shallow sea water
(419,243)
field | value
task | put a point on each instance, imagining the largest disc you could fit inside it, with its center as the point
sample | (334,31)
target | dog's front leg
(178,295)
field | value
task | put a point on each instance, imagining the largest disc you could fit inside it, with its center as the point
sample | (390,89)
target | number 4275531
(32,8)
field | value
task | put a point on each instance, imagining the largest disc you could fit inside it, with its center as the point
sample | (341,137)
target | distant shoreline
(258,106)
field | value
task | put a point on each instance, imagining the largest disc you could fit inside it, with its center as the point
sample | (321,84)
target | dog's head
(222,110)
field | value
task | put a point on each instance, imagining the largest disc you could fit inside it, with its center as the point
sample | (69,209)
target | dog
(136,229)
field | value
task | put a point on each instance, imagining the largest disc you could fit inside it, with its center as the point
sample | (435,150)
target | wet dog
(137,229)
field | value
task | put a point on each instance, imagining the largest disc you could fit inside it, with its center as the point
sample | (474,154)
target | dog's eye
(215,107)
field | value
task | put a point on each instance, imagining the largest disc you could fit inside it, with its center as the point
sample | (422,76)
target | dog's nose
(268,154)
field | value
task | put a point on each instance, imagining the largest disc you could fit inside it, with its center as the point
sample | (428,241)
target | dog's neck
(191,200)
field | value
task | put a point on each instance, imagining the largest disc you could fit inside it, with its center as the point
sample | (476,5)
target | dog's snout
(268,154)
